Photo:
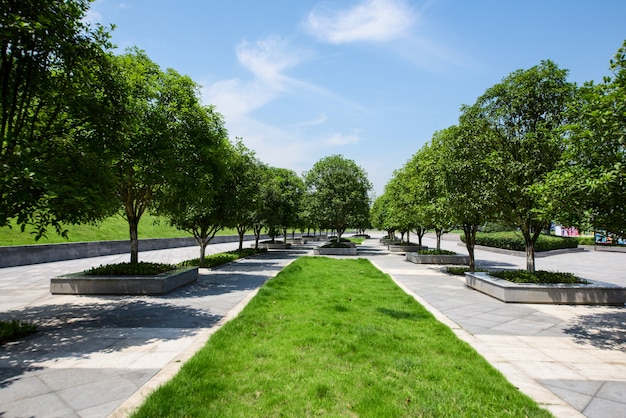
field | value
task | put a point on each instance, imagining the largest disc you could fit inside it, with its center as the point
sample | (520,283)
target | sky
(372,80)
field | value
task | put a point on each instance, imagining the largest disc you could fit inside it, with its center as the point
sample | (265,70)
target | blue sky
(369,79)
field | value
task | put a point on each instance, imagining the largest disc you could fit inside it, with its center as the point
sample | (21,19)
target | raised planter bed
(335,251)
(394,248)
(538,254)
(594,293)
(417,258)
(275,245)
(161,284)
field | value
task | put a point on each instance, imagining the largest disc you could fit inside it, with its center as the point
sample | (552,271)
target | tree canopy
(58,102)
(589,186)
(339,193)
(521,120)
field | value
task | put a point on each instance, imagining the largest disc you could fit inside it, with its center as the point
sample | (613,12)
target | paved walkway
(99,356)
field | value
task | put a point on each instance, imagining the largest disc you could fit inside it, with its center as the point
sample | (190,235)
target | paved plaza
(98,356)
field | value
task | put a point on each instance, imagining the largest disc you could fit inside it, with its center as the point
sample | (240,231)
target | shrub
(130,269)
(460,271)
(585,240)
(335,244)
(214,260)
(539,277)
(11,331)
(436,252)
(513,240)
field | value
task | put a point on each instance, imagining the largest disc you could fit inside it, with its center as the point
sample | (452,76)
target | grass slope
(336,338)
(113,228)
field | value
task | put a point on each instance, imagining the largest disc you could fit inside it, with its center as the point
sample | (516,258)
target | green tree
(339,191)
(429,188)
(150,134)
(57,104)
(243,180)
(197,196)
(282,195)
(466,184)
(523,118)
(589,187)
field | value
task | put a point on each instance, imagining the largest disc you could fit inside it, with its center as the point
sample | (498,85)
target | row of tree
(532,149)
(87,133)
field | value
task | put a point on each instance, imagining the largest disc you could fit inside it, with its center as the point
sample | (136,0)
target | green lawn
(113,228)
(336,338)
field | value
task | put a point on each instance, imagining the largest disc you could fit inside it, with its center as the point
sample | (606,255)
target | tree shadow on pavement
(605,330)
(105,325)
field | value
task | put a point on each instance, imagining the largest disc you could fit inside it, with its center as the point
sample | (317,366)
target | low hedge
(513,240)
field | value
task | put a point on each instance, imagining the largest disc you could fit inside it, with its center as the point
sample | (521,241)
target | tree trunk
(530,238)
(257,235)
(470,241)
(133,223)
(438,233)
(530,251)
(241,231)
(203,245)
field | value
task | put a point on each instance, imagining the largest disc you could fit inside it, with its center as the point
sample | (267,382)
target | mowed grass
(336,337)
(113,228)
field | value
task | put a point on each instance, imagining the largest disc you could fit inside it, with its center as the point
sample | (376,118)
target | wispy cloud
(371,20)
(339,139)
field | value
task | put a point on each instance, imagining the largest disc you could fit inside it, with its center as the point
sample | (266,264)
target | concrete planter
(275,245)
(335,251)
(437,259)
(395,248)
(81,284)
(594,293)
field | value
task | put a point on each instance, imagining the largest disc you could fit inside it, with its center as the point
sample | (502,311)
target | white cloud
(371,20)
(338,139)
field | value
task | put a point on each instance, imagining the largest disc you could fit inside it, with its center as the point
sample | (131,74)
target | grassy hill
(113,228)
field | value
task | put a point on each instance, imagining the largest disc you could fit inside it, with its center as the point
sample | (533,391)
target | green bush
(214,260)
(11,331)
(585,240)
(538,277)
(460,271)
(130,269)
(513,240)
(436,252)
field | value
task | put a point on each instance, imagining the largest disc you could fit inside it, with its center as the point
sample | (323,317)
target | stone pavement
(99,356)
(571,359)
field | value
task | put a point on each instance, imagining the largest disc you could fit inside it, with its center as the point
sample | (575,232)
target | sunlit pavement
(99,356)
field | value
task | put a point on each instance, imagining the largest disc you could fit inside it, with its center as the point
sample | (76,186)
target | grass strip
(336,337)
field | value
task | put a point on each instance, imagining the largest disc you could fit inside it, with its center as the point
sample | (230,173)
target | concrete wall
(21,255)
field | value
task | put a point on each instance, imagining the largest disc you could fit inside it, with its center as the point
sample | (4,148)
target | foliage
(218,259)
(521,121)
(537,277)
(336,338)
(589,186)
(58,104)
(243,179)
(436,252)
(460,271)
(282,192)
(14,330)
(196,197)
(513,240)
(160,119)
(130,269)
(582,240)
(339,194)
